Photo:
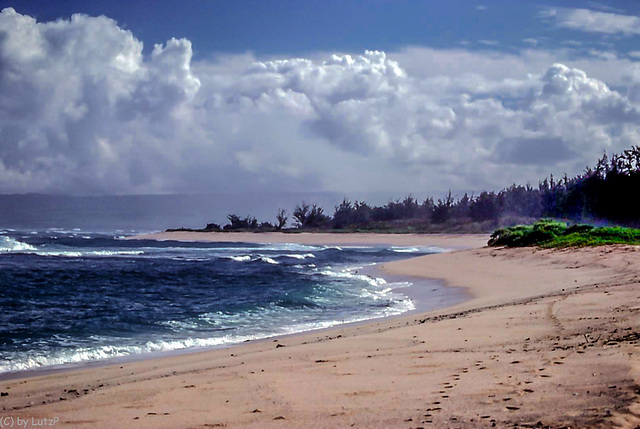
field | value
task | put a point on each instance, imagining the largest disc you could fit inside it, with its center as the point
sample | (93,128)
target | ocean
(72,296)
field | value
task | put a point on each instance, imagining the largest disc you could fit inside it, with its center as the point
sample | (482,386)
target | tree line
(603,193)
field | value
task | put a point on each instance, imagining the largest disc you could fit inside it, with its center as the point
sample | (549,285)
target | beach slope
(455,241)
(549,338)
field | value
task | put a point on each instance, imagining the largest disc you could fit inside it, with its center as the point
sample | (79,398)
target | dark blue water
(73,296)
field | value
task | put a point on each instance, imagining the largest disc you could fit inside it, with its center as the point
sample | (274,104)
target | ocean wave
(297,256)
(315,297)
(90,253)
(290,247)
(14,246)
(248,258)
(188,259)
(89,354)
(229,247)
(36,360)
(347,273)
(332,248)
(8,244)
(239,258)
(271,259)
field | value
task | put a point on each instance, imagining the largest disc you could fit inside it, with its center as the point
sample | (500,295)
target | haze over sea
(72,289)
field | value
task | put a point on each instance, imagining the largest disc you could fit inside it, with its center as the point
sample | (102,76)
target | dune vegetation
(548,233)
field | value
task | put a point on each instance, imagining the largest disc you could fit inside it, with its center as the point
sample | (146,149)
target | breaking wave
(8,244)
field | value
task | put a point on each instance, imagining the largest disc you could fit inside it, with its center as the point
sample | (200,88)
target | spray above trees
(605,193)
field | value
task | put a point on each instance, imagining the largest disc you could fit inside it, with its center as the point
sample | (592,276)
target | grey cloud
(532,151)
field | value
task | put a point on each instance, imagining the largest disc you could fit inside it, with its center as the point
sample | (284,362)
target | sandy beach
(330,239)
(548,338)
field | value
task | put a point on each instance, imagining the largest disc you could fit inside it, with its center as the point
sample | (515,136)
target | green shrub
(549,233)
(527,235)
(579,228)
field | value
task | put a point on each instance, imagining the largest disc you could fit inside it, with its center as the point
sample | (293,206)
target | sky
(120,97)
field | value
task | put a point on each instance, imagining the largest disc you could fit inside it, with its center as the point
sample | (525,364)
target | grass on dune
(553,234)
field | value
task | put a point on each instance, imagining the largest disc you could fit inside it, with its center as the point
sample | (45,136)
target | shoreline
(418,297)
(547,335)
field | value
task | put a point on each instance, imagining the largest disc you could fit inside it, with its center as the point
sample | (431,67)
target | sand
(548,338)
(454,241)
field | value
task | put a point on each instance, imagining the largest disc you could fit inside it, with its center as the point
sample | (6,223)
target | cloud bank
(82,110)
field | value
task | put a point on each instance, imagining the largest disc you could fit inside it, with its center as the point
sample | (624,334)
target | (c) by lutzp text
(19,422)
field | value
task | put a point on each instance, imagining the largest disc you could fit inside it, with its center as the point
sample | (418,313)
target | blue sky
(295,27)
(125,97)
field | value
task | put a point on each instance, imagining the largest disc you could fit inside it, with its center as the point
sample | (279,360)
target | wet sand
(548,338)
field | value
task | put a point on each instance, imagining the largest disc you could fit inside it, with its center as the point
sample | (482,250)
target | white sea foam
(375,294)
(405,249)
(247,258)
(269,321)
(429,249)
(351,274)
(88,354)
(88,253)
(297,256)
(240,258)
(8,244)
(114,253)
(268,259)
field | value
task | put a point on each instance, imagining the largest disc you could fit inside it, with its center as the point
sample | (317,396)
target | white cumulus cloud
(82,110)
